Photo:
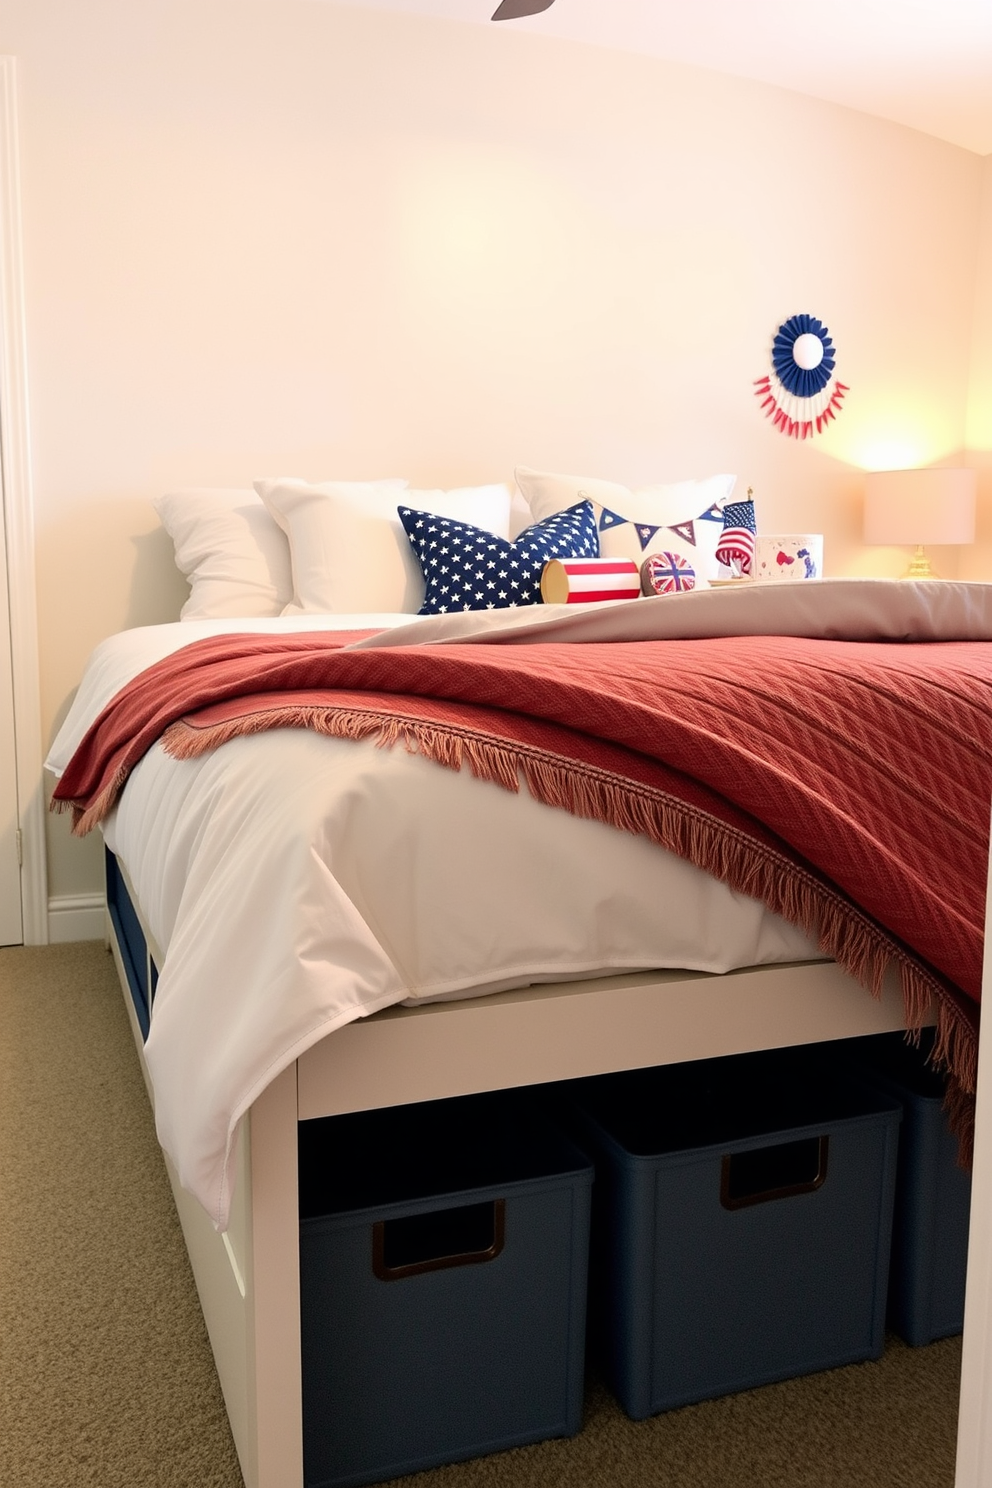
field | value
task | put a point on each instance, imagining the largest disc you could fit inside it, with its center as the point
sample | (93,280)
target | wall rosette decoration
(801,393)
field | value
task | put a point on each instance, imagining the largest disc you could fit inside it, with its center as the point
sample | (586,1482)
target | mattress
(296,882)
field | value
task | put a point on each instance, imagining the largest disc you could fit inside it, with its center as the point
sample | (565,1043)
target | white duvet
(295,882)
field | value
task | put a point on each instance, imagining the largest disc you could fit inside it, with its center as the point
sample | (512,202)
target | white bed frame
(249,1280)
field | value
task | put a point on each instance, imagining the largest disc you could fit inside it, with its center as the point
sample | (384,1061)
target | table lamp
(919,508)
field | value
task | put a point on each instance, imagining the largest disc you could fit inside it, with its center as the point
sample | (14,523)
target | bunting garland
(645,532)
(801,394)
(687,545)
(685,530)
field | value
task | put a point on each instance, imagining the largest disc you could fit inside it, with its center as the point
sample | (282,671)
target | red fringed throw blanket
(845,784)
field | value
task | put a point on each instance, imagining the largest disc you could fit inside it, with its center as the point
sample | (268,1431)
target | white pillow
(684,518)
(350,553)
(232,553)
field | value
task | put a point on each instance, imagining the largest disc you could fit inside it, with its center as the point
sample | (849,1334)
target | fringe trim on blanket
(85,819)
(841,931)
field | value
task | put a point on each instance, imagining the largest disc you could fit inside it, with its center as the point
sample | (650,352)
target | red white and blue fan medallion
(667,573)
(801,394)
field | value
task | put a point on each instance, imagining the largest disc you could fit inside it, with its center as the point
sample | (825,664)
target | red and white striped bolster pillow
(586,580)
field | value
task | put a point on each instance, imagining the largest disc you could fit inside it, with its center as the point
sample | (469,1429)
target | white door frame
(974,1458)
(19,523)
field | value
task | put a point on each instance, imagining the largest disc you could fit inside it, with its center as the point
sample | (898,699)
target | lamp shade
(904,508)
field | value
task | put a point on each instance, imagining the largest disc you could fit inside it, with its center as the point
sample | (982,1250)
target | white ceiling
(925,63)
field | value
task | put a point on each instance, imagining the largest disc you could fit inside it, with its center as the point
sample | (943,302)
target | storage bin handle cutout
(775,1172)
(467,1235)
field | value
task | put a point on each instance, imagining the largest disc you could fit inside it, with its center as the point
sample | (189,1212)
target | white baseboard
(76,917)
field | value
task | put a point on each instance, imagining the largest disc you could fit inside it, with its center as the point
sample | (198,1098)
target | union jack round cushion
(667,573)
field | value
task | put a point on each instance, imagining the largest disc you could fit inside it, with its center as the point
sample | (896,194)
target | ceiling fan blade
(515,10)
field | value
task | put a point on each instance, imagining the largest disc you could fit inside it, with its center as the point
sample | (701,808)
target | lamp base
(920,566)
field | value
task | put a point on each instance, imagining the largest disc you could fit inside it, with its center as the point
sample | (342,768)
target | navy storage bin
(741,1226)
(443,1257)
(933,1194)
(130,942)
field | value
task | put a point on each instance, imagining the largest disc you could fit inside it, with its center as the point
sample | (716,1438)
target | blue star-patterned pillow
(466,568)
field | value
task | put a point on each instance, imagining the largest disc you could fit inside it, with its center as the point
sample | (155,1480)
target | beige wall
(293,237)
(976,562)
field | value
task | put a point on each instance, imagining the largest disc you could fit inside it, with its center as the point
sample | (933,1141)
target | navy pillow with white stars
(467,568)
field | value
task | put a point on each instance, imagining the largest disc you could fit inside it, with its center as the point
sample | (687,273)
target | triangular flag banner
(646,533)
(610,519)
(686,530)
(714,514)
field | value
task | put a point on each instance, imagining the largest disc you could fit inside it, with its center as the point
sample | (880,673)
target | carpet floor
(106,1376)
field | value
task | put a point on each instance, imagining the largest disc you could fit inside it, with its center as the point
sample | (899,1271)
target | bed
(412,1025)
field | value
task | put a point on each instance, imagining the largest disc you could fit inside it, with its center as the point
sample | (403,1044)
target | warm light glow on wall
(893,429)
(892,454)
